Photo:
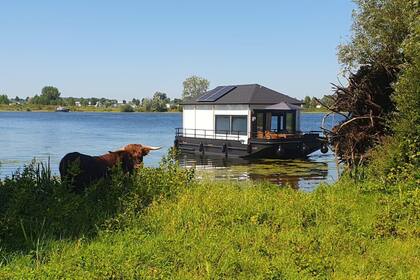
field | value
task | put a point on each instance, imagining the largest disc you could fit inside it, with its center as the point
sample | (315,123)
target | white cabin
(240,112)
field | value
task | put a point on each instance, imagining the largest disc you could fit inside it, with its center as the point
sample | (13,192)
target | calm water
(28,135)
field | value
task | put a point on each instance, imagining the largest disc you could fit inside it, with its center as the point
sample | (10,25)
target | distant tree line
(192,87)
(313,102)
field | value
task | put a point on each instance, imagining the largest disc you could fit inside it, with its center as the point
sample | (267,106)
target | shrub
(126,108)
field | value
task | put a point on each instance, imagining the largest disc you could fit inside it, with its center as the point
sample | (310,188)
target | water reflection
(299,174)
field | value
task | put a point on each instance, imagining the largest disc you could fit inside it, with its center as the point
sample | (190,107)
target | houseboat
(245,121)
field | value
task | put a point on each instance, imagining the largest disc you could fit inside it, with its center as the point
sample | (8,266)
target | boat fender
(249,148)
(176,143)
(324,148)
(280,150)
(201,148)
(224,148)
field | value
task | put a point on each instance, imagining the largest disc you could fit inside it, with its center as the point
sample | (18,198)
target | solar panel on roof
(216,93)
(209,93)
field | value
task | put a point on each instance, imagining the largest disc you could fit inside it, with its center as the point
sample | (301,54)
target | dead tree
(366,103)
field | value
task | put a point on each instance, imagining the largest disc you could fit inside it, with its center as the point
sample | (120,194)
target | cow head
(137,152)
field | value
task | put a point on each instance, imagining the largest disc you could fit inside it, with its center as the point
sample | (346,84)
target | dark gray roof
(248,94)
(282,106)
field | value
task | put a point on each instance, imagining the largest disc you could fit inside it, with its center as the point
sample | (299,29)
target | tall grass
(161,223)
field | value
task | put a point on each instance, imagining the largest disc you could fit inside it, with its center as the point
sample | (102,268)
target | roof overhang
(282,106)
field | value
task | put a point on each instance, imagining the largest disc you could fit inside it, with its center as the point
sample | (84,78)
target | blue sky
(130,49)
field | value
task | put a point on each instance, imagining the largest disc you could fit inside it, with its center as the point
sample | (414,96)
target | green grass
(161,223)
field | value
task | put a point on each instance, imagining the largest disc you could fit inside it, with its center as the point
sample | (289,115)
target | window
(239,124)
(231,124)
(274,123)
(260,121)
(222,124)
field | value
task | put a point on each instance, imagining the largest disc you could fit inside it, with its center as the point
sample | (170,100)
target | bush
(126,108)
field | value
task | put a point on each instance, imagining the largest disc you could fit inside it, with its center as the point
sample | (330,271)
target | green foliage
(36,208)
(398,159)
(194,86)
(156,104)
(126,108)
(160,223)
(49,96)
(379,28)
(407,97)
(4,99)
(386,36)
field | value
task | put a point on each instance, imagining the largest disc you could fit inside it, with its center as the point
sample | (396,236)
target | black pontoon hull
(287,148)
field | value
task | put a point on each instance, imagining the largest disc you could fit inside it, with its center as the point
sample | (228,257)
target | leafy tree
(84,102)
(159,102)
(381,46)
(379,28)
(194,86)
(50,95)
(94,100)
(146,105)
(126,108)
(306,101)
(327,100)
(136,101)
(313,103)
(4,99)
(70,101)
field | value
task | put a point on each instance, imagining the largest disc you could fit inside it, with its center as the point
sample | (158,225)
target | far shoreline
(52,108)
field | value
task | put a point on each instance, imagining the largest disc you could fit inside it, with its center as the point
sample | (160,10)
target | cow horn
(152,148)
(120,149)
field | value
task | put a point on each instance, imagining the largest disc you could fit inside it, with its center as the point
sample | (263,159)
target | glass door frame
(267,114)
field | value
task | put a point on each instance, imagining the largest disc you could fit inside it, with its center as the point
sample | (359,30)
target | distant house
(77,104)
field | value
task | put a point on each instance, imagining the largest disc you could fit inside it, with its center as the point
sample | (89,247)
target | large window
(223,124)
(239,125)
(231,125)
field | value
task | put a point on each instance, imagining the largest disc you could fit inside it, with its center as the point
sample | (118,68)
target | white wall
(203,117)
(188,117)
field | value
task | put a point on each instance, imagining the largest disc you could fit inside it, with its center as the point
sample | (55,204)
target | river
(25,136)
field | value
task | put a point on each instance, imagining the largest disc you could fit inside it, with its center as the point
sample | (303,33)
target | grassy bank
(162,223)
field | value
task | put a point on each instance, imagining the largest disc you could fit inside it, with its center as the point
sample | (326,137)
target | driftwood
(367,103)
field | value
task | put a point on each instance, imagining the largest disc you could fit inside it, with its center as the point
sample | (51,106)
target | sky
(131,49)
